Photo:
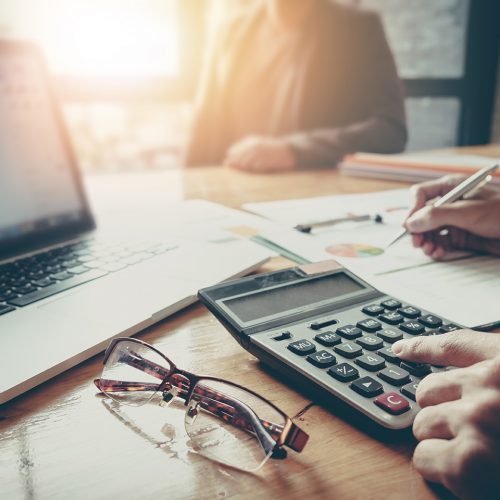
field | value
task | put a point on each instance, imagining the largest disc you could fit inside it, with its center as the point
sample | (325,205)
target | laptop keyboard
(28,280)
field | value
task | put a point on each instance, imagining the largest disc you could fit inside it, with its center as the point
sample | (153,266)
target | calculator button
(448,328)
(395,375)
(370,342)
(391,304)
(373,310)
(349,332)
(349,349)
(410,312)
(387,353)
(371,362)
(302,347)
(328,339)
(322,359)
(344,372)
(430,321)
(417,369)
(323,322)
(367,387)
(283,336)
(391,317)
(369,325)
(392,403)
(412,327)
(410,390)
(432,333)
(390,335)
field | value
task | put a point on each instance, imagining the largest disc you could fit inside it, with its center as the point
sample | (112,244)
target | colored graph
(357,250)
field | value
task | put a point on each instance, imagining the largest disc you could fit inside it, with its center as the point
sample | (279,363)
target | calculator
(324,327)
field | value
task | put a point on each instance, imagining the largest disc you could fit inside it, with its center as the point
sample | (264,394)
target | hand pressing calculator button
(302,347)
(322,359)
(367,387)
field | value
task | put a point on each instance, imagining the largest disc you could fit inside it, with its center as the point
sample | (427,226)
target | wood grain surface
(63,440)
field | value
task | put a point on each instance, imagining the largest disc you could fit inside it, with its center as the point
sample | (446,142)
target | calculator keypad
(354,359)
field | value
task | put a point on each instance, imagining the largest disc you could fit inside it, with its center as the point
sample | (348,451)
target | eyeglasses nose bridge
(168,396)
(192,411)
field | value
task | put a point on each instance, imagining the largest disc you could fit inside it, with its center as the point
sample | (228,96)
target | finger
(457,348)
(466,215)
(432,458)
(439,388)
(434,422)
(417,240)
(425,191)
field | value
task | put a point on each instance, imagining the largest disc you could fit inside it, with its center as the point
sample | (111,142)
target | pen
(456,193)
(306,228)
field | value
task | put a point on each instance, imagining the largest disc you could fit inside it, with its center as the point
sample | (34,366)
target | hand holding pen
(470,224)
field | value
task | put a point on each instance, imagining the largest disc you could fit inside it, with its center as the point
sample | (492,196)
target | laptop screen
(40,192)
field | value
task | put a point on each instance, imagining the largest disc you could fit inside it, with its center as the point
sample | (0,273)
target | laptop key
(6,309)
(63,275)
(78,270)
(56,288)
(42,283)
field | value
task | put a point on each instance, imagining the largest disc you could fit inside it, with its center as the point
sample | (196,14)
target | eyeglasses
(224,421)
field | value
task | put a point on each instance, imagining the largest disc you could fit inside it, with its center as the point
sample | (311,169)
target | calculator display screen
(279,300)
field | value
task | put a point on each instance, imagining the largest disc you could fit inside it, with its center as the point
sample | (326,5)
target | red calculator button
(393,403)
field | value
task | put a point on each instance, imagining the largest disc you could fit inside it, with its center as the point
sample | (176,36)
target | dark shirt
(328,88)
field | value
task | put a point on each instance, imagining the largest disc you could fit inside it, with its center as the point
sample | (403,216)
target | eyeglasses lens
(133,373)
(232,426)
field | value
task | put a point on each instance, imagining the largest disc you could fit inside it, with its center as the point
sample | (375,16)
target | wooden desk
(61,440)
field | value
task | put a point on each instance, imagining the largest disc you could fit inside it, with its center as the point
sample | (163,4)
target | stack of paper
(415,167)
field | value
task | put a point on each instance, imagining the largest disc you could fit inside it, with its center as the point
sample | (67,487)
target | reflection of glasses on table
(225,422)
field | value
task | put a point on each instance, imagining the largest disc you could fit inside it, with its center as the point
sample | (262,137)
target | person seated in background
(459,424)
(297,84)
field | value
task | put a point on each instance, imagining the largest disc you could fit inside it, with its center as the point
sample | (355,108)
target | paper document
(466,290)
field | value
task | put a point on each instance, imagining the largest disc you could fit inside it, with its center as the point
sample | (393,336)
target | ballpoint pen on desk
(474,181)
(307,228)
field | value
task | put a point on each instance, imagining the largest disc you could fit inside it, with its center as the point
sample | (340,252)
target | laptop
(66,287)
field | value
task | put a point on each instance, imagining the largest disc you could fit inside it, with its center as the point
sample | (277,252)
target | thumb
(457,348)
(429,218)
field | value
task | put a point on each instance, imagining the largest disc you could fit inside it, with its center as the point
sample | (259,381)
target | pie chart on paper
(356,250)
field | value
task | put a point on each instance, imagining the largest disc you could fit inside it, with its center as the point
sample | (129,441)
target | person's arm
(459,424)
(384,129)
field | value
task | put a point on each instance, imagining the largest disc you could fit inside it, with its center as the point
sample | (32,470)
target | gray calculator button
(302,347)
(410,390)
(371,362)
(322,359)
(349,349)
(369,325)
(370,342)
(328,339)
(395,375)
(390,335)
(349,332)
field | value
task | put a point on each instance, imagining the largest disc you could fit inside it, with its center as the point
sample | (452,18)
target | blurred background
(126,70)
